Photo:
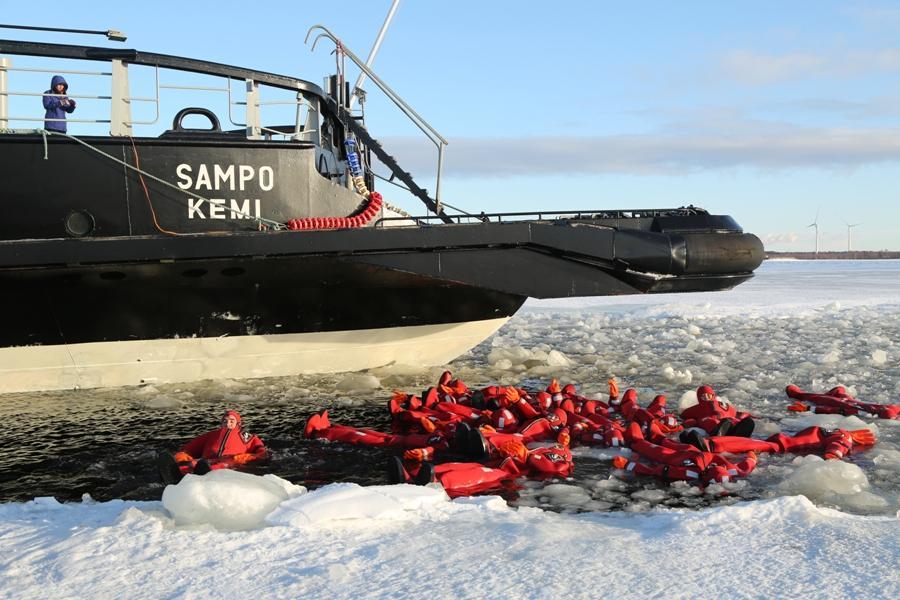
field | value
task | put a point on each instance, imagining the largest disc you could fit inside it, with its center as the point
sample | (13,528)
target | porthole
(79,223)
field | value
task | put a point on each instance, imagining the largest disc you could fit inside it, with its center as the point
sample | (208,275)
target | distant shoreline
(854,255)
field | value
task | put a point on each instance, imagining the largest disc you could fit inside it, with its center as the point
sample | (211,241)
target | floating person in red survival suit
(227,447)
(318,426)
(833,444)
(838,401)
(511,460)
(716,416)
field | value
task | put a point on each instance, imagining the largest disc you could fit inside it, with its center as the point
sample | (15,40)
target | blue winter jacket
(55,107)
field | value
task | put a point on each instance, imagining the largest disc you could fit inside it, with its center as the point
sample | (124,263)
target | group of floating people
(474,441)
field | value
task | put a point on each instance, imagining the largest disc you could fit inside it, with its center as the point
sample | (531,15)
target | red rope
(358,220)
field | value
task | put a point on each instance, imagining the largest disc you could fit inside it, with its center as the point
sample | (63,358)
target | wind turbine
(815,224)
(850,234)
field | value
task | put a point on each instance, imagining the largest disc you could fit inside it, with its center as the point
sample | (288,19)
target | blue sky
(771,112)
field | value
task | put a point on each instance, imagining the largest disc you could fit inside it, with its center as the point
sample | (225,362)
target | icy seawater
(815,324)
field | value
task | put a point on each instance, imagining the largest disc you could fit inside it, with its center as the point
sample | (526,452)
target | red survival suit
(467,478)
(319,427)
(838,401)
(222,448)
(833,444)
(710,410)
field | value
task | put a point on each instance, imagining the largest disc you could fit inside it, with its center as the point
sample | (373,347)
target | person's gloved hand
(181,457)
(514,449)
(563,439)
(798,407)
(426,424)
(613,387)
(620,462)
(243,459)
(863,437)
(418,454)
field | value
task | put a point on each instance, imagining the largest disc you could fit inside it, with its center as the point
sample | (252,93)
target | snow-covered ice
(347,541)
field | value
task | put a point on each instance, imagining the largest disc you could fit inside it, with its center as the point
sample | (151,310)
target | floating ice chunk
(830,357)
(504,364)
(355,382)
(163,401)
(826,422)
(693,329)
(652,496)
(879,357)
(227,500)
(887,464)
(517,357)
(863,502)
(561,494)
(557,359)
(747,385)
(817,478)
(678,377)
(833,306)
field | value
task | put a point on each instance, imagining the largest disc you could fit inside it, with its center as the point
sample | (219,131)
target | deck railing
(117,112)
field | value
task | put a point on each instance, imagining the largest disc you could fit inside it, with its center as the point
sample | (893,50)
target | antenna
(372,53)
(850,234)
(111,34)
(815,224)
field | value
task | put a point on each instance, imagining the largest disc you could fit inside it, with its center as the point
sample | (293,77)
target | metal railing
(430,132)
(120,98)
(5,93)
(552,215)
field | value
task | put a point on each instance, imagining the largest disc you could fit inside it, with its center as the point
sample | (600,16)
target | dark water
(103,442)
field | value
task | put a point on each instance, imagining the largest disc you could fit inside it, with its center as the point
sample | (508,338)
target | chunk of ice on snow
(227,500)
(816,478)
(349,501)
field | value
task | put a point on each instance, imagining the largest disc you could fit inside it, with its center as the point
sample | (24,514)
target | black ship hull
(277,303)
(166,257)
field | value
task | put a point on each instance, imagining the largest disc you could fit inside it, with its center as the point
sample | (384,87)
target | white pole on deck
(5,64)
(384,27)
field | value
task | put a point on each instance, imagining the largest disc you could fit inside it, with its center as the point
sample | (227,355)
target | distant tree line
(853,255)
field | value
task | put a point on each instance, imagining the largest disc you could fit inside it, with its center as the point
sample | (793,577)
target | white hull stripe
(113,364)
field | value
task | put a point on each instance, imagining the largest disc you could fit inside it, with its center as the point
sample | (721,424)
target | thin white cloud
(755,69)
(674,151)
(789,238)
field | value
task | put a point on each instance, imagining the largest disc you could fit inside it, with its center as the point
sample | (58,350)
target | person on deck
(57,105)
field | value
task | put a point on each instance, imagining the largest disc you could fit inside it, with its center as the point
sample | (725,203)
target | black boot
(744,427)
(461,438)
(723,428)
(694,438)
(425,474)
(395,471)
(202,467)
(168,469)
(479,448)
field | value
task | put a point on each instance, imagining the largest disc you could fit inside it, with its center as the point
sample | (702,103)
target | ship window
(233,272)
(194,273)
